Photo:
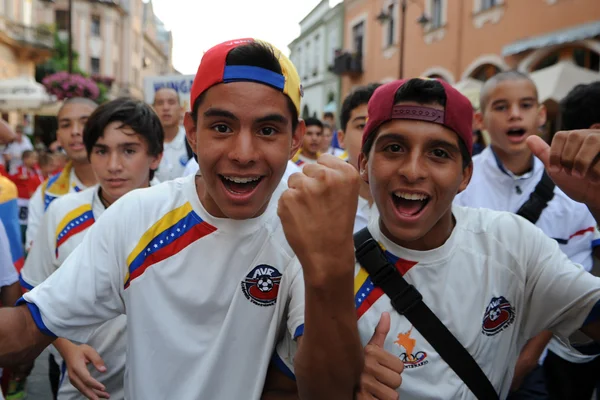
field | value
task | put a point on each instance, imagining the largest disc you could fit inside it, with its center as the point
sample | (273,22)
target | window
(391,25)
(487,4)
(117,32)
(316,56)
(95,25)
(332,46)
(485,72)
(62,20)
(587,58)
(94,66)
(547,61)
(358,37)
(307,58)
(436,14)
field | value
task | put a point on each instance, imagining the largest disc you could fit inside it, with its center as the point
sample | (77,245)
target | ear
(542,113)
(297,137)
(190,131)
(341,136)
(478,121)
(595,126)
(363,164)
(156,162)
(467,174)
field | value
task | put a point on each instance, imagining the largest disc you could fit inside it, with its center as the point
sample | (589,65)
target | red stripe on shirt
(582,232)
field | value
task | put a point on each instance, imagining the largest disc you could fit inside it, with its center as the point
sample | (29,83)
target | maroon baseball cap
(457,115)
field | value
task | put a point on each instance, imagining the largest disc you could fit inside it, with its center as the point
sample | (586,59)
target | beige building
(114,38)
(157,48)
(466,41)
(22,43)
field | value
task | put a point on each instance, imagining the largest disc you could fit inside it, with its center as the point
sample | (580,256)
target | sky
(197,25)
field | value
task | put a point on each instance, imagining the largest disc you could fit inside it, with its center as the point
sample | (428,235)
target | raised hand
(317,213)
(382,375)
(572,163)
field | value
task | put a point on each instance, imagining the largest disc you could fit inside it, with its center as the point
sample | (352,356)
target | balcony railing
(346,63)
(27,35)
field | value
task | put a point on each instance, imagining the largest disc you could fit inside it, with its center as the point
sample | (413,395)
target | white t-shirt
(191,167)
(364,214)
(16,149)
(8,273)
(570,223)
(66,182)
(175,158)
(62,230)
(495,283)
(204,296)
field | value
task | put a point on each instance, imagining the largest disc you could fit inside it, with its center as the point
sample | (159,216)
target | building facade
(157,47)
(313,54)
(117,39)
(467,41)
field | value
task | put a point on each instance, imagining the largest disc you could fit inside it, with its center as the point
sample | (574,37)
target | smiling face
(512,114)
(243,138)
(414,170)
(121,162)
(71,120)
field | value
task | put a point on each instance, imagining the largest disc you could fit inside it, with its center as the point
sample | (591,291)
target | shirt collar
(505,171)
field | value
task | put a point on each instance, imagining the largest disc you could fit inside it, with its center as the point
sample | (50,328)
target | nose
(114,162)
(515,111)
(77,129)
(413,167)
(243,149)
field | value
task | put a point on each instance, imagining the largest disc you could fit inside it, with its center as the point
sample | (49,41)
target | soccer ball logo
(265,284)
(261,285)
(499,315)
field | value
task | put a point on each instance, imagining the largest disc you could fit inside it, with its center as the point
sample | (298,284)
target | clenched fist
(317,213)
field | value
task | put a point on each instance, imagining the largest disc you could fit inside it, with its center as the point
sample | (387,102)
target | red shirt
(27,180)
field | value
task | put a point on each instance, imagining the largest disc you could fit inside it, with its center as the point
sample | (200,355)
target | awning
(23,94)
(569,35)
(556,81)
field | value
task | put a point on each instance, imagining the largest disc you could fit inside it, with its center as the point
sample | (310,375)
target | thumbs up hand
(572,161)
(382,375)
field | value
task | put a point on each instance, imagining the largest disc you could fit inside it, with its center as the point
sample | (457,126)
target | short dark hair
(356,98)
(422,91)
(255,54)
(28,153)
(579,109)
(132,113)
(313,122)
(512,75)
(328,114)
(166,88)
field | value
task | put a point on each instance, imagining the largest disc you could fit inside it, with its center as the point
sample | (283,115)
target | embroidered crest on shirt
(410,358)
(261,285)
(498,316)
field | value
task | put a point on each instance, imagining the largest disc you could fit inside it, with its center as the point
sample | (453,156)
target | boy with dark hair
(353,119)
(208,254)
(506,174)
(77,173)
(124,140)
(490,277)
(310,151)
(572,375)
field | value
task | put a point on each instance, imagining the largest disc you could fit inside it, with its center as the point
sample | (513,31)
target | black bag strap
(538,200)
(407,301)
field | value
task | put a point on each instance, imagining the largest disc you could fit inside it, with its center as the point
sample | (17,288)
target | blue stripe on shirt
(37,317)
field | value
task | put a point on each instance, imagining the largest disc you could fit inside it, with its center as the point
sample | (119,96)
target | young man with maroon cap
(492,278)
(201,265)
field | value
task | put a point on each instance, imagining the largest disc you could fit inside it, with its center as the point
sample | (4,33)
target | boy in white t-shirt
(311,144)
(353,119)
(505,175)
(201,265)
(492,278)
(124,141)
(77,174)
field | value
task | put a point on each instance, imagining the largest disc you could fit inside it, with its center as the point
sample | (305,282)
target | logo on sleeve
(261,285)
(410,357)
(498,316)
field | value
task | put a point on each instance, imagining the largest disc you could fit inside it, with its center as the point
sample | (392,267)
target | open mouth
(238,185)
(410,204)
(516,133)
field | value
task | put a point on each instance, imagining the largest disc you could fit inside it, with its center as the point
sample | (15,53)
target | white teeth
(411,196)
(237,179)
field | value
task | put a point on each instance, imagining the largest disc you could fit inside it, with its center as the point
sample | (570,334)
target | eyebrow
(273,118)
(357,118)
(506,101)
(127,144)
(217,112)
(432,143)
(73,119)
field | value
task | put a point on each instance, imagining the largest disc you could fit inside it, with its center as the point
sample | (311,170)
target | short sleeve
(87,289)
(287,346)
(8,273)
(34,217)
(560,295)
(41,260)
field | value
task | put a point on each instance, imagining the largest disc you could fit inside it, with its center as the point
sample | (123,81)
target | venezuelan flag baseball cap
(214,70)
(457,115)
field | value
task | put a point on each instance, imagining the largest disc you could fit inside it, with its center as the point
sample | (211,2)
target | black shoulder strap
(538,200)
(407,300)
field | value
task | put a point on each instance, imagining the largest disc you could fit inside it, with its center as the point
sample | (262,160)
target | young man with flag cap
(208,254)
(493,279)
